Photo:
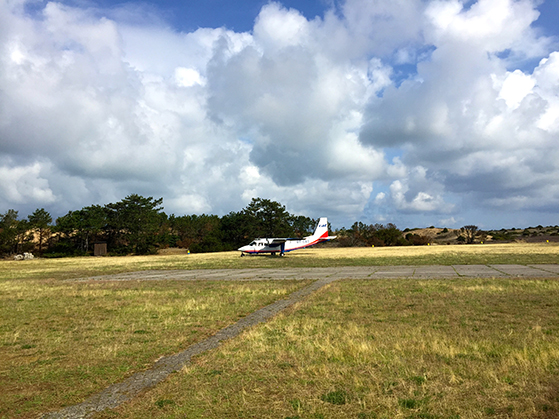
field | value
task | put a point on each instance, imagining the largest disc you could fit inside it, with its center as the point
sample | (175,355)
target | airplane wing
(279,241)
(283,240)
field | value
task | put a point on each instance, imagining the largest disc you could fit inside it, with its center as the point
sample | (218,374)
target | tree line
(138,225)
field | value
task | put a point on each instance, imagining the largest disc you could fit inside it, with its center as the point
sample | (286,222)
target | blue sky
(414,112)
(239,16)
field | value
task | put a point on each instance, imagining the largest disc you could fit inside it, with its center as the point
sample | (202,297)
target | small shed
(99,248)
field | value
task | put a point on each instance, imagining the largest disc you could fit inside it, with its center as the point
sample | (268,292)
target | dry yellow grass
(62,341)
(462,348)
(503,249)
(521,253)
(332,346)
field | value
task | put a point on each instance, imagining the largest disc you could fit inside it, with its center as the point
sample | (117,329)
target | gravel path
(119,393)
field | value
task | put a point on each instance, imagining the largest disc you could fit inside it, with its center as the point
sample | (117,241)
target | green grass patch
(335,397)
(62,341)
(462,348)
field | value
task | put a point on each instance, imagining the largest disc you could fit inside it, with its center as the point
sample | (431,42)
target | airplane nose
(242,249)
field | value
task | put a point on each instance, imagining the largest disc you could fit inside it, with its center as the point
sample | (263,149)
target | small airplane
(283,245)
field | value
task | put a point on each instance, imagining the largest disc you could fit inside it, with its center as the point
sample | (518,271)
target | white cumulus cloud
(396,110)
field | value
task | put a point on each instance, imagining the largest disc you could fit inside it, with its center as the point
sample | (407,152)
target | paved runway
(350,272)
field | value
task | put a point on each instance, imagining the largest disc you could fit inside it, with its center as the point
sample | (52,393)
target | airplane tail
(321,232)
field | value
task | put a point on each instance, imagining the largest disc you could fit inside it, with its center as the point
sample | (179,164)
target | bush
(501,235)
(63,249)
(417,239)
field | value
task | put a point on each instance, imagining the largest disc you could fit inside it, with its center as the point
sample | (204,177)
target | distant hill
(537,234)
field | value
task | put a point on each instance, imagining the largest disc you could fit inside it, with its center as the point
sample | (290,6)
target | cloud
(388,110)
(382,27)
(450,222)
(417,193)
(476,125)
(514,88)
(298,107)
(277,28)
(25,184)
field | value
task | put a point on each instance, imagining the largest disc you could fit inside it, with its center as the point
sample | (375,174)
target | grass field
(62,341)
(461,348)
(313,257)
(362,349)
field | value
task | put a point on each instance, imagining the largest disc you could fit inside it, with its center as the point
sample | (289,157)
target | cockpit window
(252,244)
